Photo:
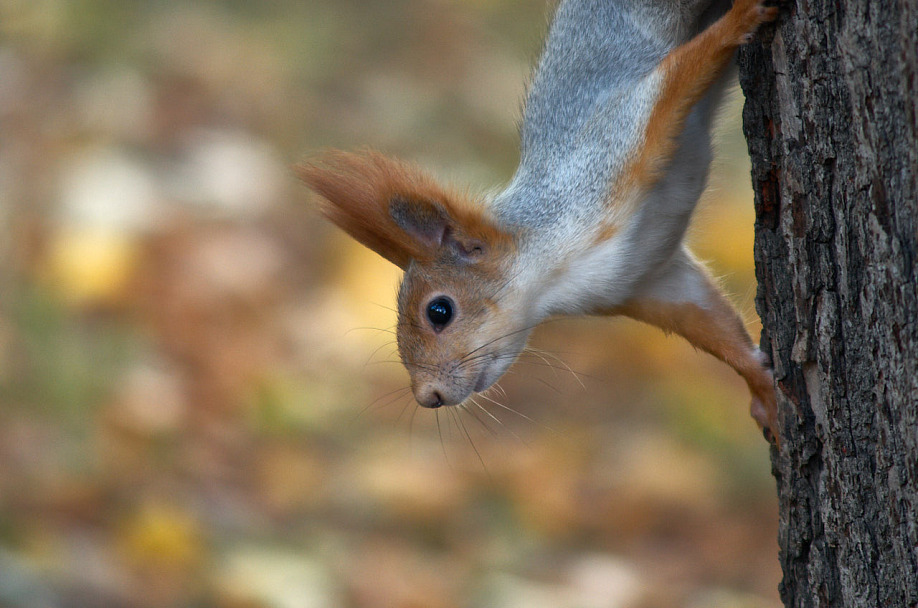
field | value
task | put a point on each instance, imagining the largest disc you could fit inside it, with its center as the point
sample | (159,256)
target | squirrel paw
(765,414)
(764,406)
(748,15)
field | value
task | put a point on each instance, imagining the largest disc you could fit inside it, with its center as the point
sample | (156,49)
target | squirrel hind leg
(685,76)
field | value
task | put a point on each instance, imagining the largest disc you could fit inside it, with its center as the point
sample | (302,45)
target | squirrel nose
(429,397)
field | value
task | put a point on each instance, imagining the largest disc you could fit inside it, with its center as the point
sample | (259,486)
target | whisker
(463,363)
(398,394)
(442,445)
(490,342)
(373,354)
(548,384)
(389,330)
(506,284)
(542,357)
(404,409)
(513,356)
(551,366)
(457,415)
(556,368)
(545,354)
(500,389)
(490,415)
(499,421)
(423,366)
(388,361)
(383,306)
(411,427)
(465,408)
(520,414)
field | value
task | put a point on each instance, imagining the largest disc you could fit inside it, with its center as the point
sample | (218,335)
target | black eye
(440,312)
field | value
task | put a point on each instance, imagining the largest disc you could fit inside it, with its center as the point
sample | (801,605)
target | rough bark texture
(832,122)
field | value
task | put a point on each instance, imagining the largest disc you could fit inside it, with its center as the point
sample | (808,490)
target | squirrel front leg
(685,301)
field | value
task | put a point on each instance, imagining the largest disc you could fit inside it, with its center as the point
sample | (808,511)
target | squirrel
(615,151)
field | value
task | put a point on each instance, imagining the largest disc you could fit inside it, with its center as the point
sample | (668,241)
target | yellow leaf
(160,535)
(90,265)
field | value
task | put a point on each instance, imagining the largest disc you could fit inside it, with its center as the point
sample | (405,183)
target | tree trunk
(831,118)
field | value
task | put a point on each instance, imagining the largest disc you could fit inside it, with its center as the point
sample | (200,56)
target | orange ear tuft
(359,191)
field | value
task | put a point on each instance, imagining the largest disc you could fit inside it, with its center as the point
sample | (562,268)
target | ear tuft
(395,209)
(355,190)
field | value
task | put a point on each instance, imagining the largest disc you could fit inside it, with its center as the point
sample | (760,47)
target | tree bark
(831,119)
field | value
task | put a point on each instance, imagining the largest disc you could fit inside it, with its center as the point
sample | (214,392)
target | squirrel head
(461,319)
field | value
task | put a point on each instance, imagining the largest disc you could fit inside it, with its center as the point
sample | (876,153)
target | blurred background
(200,399)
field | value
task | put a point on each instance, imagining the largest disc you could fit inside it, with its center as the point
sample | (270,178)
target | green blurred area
(200,399)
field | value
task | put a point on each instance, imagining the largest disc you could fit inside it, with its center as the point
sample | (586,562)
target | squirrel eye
(440,312)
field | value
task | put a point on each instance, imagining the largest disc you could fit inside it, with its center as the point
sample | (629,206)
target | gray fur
(588,238)
(585,115)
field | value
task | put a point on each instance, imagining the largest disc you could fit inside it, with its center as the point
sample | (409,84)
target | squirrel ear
(431,225)
(396,210)
(356,191)
(426,222)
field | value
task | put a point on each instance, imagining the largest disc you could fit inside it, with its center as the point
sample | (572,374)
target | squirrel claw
(769,436)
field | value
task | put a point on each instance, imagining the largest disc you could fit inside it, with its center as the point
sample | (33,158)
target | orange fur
(718,330)
(606,233)
(357,190)
(688,72)
(401,213)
